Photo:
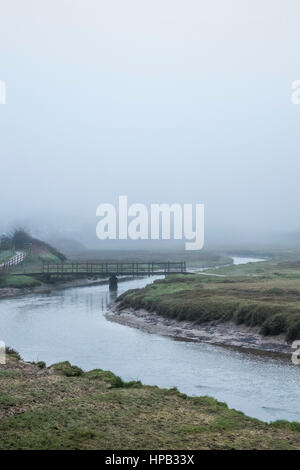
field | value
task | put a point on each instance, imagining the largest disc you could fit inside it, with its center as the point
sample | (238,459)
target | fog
(163,101)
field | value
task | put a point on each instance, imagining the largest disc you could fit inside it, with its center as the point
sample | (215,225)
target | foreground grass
(264,295)
(64,408)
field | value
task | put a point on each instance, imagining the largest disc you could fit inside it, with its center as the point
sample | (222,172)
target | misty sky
(161,100)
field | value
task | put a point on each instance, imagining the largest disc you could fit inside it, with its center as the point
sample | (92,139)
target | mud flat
(225,334)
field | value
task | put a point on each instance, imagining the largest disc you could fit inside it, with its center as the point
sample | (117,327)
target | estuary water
(70,325)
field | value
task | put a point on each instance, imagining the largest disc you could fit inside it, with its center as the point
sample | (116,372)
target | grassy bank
(264,295)
(33,260)
(64,408)
(18,282)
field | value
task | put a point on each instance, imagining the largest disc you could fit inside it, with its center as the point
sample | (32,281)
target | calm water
(70,325)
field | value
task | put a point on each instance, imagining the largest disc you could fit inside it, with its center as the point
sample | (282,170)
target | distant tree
(21,239)
(6,242)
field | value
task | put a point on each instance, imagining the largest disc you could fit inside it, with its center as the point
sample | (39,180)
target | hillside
(36,253)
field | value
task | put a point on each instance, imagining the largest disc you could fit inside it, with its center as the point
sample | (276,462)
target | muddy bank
(6,292)
(225,334)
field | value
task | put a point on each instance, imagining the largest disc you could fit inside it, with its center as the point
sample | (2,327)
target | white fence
(14,261)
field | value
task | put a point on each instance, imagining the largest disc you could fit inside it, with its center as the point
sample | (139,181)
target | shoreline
(227,334)
(44,288)
(11,292)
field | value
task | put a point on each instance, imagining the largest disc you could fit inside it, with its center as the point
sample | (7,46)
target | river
(70,325)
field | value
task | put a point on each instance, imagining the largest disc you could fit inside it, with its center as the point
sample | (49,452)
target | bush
(66,369)
(274,325)
(12,353)
(293,331)
(6,243)
(20,239)
(113,380)
(41,364)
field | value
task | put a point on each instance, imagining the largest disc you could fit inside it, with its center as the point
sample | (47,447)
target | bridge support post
(113,282)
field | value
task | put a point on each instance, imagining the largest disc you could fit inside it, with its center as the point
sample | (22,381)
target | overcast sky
(161,100)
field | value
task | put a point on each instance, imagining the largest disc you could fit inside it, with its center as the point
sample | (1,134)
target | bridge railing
(115,268)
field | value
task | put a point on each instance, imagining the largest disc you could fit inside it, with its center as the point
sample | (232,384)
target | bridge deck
(106,269)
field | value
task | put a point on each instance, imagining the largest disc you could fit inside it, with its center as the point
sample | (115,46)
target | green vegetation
(12,354)
(264,295)
(5,255)
(37,253)
(40,257)
(18,282)
(19,239)
(43,408)
(66,369)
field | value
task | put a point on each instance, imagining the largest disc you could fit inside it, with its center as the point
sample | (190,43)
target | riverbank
(225,334)
(12,285)
(68,408)
(251,306)
(44,288)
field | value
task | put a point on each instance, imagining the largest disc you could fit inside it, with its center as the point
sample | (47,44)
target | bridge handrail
(115,267)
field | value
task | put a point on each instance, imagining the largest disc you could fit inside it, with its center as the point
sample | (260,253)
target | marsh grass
(18,282)
(270,302)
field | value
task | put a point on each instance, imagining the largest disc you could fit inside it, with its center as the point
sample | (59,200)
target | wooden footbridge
(118,269)
(110,270)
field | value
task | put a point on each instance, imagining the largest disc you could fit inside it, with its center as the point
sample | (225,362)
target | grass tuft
(113,380)
(66,369)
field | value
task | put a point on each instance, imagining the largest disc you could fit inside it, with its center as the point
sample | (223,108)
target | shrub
(274,325)
(6,243)
(12,353)
(113,380)
(41,364)
(293,331)
(66,369)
